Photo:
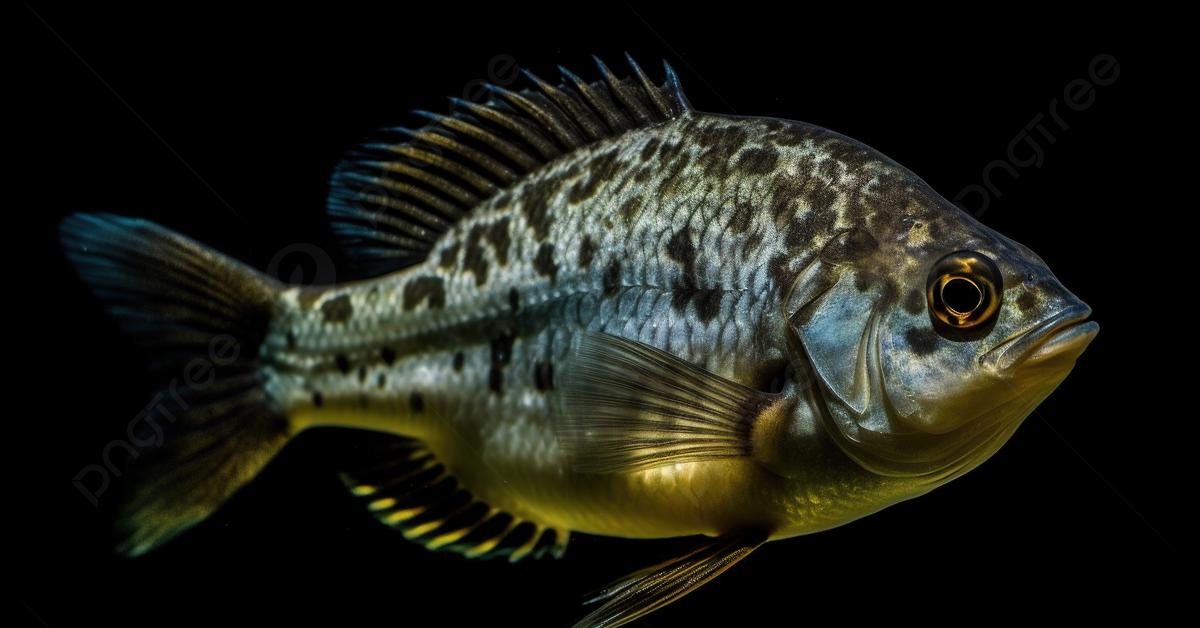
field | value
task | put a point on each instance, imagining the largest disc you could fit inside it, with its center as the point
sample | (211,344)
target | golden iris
(963,290)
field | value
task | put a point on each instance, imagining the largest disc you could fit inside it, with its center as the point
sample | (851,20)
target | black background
(224,124)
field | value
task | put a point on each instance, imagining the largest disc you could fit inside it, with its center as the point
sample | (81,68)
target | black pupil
(961,296)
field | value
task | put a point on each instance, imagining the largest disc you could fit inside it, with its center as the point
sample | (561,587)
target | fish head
(932,337)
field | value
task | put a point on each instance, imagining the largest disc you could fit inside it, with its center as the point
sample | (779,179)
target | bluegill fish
(588,307)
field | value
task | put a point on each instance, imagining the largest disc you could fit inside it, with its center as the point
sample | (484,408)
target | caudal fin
(201,317)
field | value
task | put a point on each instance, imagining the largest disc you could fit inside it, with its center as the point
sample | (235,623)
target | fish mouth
(1067,333)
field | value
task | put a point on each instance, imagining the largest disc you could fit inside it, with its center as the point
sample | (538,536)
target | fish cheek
(927,378)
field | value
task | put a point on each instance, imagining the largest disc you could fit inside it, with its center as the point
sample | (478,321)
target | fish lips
(1065,334)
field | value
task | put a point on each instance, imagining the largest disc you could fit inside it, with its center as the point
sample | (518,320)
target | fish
(585,307)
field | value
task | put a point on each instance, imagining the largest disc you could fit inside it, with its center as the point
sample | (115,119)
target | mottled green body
(683,236)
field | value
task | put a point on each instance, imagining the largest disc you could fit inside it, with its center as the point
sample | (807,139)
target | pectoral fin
(646,591)
(627,406)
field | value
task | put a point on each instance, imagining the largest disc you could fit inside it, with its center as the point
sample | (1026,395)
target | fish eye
(963,291)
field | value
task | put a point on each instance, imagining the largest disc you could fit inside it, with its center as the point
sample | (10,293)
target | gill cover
(834,319)
(835,311)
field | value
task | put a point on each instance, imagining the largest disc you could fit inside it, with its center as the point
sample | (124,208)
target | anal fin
(405,487)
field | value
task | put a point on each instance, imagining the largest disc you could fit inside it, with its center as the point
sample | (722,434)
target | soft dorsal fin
(405,487)
(392,197)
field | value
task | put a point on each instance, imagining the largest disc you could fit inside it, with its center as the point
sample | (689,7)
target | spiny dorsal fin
(406,488)
(392,197)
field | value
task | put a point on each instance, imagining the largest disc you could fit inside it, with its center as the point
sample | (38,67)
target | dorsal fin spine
(615,120)
(619,89)
(390,198)
(660,102)
(586,120)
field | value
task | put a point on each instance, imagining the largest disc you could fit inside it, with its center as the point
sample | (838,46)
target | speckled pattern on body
(592,308)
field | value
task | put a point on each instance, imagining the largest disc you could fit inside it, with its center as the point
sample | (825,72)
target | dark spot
(291,339)
(362,374)
(317,399)
(498,237)
(862,280)
(449,256)
(792,134)
(459,358)
(543,262)
(416,402)
(772,376)
(420,289)
(612,278)
(681,295)
(649,148)
(601,168)
(381,381)
(514,299)
(750,246)
(671,177)
(337,309)
(922,340)
(535,205)
(915,301)
(822,199)
(1027,301)
(740,217)
(343,363)
(681,250)
(719,143)
(935,231)
(669,150)
(474,261)
(830,169)
(502,346)
(727,137)
(757,161)
(714,162)
(785,193)
(708,304)
(587,250)
(629,209)
(849,245)
(543,375)
(388,355)
(781,272)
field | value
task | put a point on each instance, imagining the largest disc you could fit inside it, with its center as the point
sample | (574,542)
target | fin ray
(391,198)
(627,406)
(177,300)
(406,488)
